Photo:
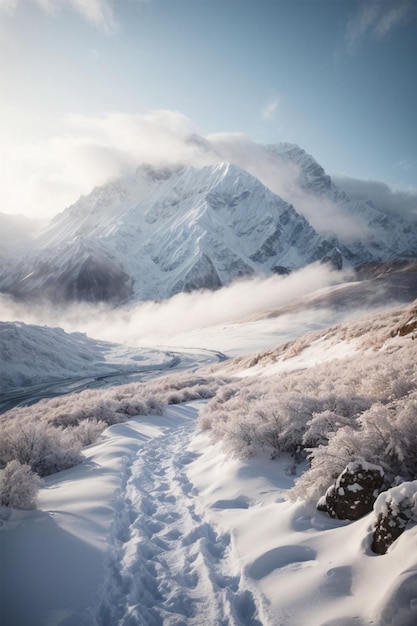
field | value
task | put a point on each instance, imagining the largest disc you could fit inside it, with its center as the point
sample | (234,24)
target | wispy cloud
(376,19)
(269,110)
(396,202)
(283,178)
(100,13)
(408,164)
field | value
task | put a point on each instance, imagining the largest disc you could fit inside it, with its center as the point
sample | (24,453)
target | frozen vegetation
(48,437)
(334,396)
(204,513)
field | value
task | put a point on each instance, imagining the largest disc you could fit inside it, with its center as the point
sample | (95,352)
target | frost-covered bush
(19,486)
(48,436)
(258,415)
(321,426)
(87,431)
(384,434)
(357,407)
(42,447)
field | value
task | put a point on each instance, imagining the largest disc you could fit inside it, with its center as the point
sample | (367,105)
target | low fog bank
(182,313)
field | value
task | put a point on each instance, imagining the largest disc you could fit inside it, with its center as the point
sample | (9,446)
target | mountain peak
(169,228)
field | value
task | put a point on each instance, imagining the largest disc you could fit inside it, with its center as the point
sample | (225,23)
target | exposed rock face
(335,259)
(354,492)
(395,509)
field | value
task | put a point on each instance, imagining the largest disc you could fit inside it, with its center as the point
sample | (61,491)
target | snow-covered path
(167,564)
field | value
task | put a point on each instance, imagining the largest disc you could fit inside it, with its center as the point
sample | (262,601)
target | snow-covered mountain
(159,231)
(162,231)
(379,235)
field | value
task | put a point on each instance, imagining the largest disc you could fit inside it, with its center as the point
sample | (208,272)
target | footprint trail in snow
(169,567)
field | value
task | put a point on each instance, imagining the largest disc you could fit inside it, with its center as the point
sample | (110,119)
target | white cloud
(42,178)
(282,177)
(377,18)
(402,203)
(97,12)
(182,313)
(270,109)
(408,164)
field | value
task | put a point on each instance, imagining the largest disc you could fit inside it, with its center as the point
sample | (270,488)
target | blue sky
(338,77)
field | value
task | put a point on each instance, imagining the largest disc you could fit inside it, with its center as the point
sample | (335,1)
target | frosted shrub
(242,441)
(321,426)
(87,432)
(49,435)
(326,463)
(19,486)
(258,417)
(360,407)
(44,448)
(384,434)
(390,434)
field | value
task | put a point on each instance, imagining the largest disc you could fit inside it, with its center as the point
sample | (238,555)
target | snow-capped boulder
(394,509)
(354,493)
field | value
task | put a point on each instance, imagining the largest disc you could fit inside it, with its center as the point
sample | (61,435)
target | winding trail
(167,565)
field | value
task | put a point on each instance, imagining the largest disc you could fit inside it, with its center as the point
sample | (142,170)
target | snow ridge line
(167,565)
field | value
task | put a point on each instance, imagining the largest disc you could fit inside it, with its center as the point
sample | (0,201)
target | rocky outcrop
(395,509)
(354,493)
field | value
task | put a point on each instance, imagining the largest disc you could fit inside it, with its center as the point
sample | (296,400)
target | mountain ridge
(161,230)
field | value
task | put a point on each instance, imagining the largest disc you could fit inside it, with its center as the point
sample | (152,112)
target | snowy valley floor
(158,527)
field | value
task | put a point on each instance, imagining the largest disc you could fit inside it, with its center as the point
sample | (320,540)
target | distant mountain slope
(159,231)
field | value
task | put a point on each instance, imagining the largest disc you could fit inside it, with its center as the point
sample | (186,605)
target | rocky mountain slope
(160,231)
(379,235)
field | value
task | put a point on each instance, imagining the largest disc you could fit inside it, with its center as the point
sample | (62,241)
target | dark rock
(395,509)
(334,259)
(353,494)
